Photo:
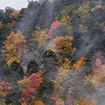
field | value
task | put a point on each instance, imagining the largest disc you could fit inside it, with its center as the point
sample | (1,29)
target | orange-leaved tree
(98,6)
(63,45)
(36,103)
(13,47)
(99,69)
(15,14)
(31,85)
(84,102)
(58,100)
(77,68)
(66,16)
(103,25)
(39,103)
(1,25)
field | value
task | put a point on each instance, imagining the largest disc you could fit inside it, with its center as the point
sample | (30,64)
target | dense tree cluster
(52,53)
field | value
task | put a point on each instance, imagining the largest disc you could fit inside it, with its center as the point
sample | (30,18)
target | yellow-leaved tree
(67,80)
(84,18)
(13,47)
(66,16)
(83,13)
(37,43)
(77,68)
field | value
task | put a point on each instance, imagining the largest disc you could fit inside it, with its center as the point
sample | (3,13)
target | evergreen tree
(17,70)
(32,67)
(49,62)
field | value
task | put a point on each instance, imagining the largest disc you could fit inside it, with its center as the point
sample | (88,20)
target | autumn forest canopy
(53,53)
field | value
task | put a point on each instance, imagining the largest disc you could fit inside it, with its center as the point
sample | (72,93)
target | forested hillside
(53,53)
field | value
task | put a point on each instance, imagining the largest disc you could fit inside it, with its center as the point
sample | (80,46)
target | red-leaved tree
(5,87)
(34,80)
(27,94)
(52,27)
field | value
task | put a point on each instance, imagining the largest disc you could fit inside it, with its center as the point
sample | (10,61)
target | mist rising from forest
(65,39)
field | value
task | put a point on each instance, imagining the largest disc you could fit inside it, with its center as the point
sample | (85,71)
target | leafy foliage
(27,93)
(24,82)
(38,76)
(5,87)
(36,43)
(13,47)
(63,45)
(66,16)
(1,25)
(52,27)
(39,103)
(99,69)
(58,100)
(15,14)
(83,13)
(35,80)
(85,102)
